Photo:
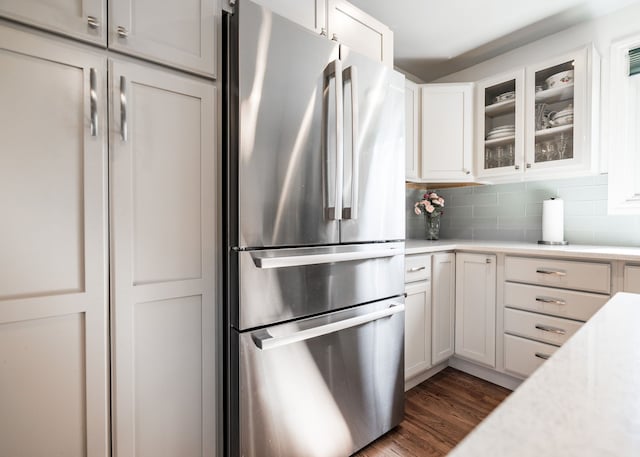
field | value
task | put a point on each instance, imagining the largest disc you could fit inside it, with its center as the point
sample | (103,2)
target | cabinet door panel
(476,307)
(417,329)
(412,129)
(443,304)
(176,33)
(162,240)
(360,32)
(311,14)
(68,17)
(446,126)
(53,291)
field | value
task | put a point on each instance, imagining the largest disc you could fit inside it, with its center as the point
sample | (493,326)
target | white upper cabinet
(81,19)
(562,115)
(358,31)
(53,249)
(178,33)
(342,22)
(447,132)
(541,121)
(500,124)
(311,14)
(412,129)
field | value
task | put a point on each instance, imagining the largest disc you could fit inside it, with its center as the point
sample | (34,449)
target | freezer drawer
(277,285)
(323,386)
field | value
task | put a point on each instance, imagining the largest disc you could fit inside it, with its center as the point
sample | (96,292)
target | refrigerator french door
(314,211)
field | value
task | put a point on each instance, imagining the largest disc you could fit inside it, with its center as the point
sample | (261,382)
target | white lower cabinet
(476,308)
(162,262)
(523,356)
(443,300)
(417,333)
(54,397)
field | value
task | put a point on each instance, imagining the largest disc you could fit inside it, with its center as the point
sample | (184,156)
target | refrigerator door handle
(264,340)
(334,71)
(351,75)
(294,260)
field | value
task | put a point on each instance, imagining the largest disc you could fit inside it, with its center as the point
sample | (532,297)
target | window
(624,128)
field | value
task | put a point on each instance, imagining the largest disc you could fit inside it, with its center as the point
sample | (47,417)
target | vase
(432,231)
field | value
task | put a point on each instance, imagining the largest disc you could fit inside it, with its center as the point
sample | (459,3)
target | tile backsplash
(513,212)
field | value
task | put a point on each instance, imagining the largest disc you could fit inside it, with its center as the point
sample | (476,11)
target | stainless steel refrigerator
(314,226)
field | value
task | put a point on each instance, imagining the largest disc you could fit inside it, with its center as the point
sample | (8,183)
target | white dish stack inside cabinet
(546,301)
(500,117)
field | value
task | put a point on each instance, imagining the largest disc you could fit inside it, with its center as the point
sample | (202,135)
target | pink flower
(441,201)
(433,195)
(429,209)
(417,210)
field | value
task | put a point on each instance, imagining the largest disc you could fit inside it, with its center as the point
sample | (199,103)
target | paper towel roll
(553,220)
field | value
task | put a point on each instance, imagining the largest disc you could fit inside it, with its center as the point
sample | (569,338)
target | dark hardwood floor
(438,414)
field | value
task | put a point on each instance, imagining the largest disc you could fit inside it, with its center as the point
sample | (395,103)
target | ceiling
(433,38)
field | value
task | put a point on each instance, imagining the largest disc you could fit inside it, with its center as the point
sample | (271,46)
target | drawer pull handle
(545,271)
(414,269)
(542,356)
(555,301)
(550,329)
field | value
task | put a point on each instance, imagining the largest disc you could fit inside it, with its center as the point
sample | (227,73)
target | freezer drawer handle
(414,269)
(264,340)
(316,259)
(551,329)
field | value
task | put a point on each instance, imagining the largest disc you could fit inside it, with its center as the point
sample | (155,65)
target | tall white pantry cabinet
(107,252)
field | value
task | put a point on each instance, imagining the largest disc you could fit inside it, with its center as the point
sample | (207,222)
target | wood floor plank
(439,413)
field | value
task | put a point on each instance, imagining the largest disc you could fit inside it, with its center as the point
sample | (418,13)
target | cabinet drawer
(632,279)
(557,302)
(548,329)
(568,274)
(417,267)
(523,357)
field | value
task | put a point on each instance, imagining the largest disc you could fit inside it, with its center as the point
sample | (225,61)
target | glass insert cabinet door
(558,113)
(501,132)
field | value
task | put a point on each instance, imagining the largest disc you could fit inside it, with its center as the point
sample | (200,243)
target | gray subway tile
(526,222)
(597,192)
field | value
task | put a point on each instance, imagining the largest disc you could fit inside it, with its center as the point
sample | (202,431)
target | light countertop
(520,248)
(584,401)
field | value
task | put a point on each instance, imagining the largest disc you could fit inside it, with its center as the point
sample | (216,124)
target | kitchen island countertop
(584,401)
(520,248)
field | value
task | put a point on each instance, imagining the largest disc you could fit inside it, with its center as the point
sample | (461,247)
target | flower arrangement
(431,204)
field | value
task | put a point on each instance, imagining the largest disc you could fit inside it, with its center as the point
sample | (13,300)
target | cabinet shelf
(545,133)
(496,109)
(556,94)
(499,141)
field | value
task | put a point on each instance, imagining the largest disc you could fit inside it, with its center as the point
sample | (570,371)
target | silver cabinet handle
(414,269)
(546,271)
(350,74)
(555,301)
(334,211)
(334,37)
(122,31)
(93,101)
(93,22)
(263,262)
(123,109)
(542,356)
(264,340)
(528,165)
(551,329)
(323,31)
(466,172)
(487,260)
(517,167)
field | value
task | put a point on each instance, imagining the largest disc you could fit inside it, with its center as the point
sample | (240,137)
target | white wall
(601,32)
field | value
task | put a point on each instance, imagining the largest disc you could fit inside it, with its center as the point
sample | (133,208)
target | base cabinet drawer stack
(417,332)
(546,301)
